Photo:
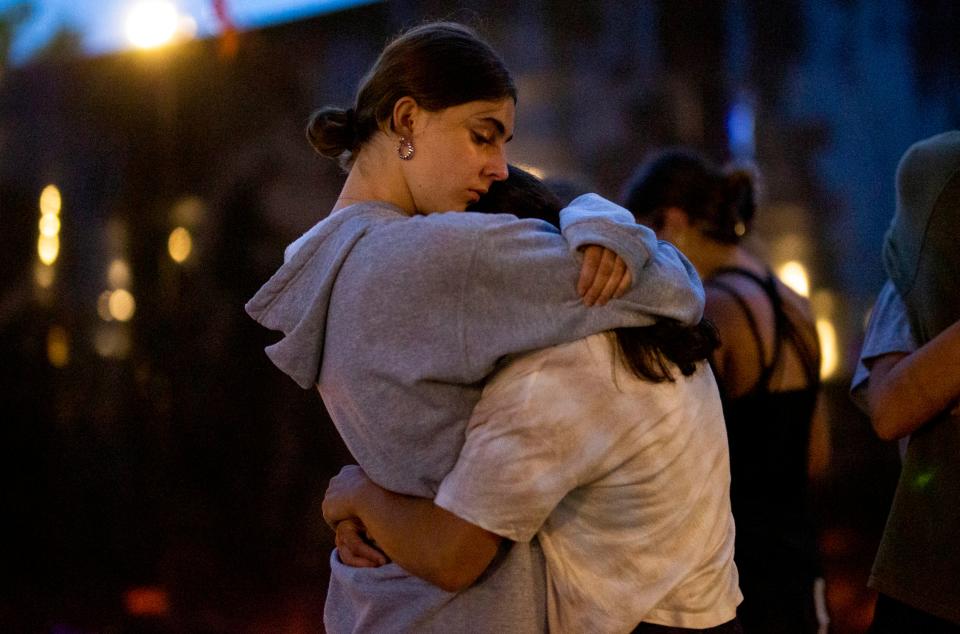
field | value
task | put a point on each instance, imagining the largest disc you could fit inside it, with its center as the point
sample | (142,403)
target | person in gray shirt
(397,310)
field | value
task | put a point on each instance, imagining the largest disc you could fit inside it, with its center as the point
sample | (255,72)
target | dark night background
(159,474)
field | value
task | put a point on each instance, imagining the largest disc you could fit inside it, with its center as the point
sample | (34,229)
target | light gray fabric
(888,332)
(399,320)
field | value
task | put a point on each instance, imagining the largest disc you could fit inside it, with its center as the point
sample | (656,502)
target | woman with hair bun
(397,310)
(610,451)
(767,367)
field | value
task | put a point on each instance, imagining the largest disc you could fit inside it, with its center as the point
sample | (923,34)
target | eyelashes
(480,139)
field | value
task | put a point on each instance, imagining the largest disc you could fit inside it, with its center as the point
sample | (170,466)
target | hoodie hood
(296,298)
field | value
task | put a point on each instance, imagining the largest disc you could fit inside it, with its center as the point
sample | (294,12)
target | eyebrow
(496,123)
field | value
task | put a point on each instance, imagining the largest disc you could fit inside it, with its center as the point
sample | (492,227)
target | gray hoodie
(398,320)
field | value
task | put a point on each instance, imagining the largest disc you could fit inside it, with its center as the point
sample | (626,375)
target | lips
(475,194)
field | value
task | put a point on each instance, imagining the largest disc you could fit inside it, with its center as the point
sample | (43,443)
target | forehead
(485,112)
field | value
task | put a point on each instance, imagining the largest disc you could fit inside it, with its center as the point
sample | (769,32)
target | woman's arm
(905,391)
(424,539)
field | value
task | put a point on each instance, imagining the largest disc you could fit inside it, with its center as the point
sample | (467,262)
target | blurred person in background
(908,381)
(610,451)
(767,367)
(397,312)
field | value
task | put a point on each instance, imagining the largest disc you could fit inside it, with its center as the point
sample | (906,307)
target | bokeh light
(49,224)
(111,341)
(794,275)
(179,245)
(829,350)
(48,244)
(118,275)
(152,23)
(147,601)
(58,347)
(43,275)
(50,200)
(48,248)
(103,306)
(122,305)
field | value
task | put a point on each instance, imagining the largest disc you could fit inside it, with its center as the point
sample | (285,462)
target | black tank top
(769,436)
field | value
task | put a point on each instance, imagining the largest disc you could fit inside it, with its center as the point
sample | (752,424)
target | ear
(405,113)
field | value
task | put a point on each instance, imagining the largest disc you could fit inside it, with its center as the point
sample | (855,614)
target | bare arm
(907,390)
(422,538)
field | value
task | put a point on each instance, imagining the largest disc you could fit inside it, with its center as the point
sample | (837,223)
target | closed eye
(481,139)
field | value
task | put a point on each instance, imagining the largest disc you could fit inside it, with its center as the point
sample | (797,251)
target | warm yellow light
(180,244)
(103,306)
(50,200)
(48,248)
(49,225)
(152,23)
(536,171)
(58,347)
(43,275)
(122,305)
(187,26)
(795,276)
(111,341)
(118,275)
(829,351)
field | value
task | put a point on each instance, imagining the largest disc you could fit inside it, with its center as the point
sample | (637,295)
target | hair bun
(332,131)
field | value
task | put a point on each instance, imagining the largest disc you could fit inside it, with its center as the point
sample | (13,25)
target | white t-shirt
(625,482)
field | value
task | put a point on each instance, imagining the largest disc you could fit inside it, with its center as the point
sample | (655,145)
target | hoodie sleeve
(521,291)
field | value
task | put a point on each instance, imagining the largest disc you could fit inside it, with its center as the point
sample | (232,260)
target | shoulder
(456,228)
(729,307)
(560,376)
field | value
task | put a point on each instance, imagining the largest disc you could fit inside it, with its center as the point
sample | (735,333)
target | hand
(603,275)
(342,491)
(354,548)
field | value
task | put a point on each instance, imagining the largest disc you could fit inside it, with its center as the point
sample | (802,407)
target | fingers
(341,494)
(353,549)
(602,271)
(588,270)
(625,284)
(613,284)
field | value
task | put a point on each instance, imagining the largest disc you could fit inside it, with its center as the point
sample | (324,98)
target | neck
(376,176)
(708,256)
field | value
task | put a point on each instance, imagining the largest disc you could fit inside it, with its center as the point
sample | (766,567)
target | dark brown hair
(649,351)
(720,203)
(439,64)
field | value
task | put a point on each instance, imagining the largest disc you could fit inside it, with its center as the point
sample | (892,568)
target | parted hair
(438,64)
(720,202)
(648,351)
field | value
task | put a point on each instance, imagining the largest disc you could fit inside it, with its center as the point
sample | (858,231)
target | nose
(497,167)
